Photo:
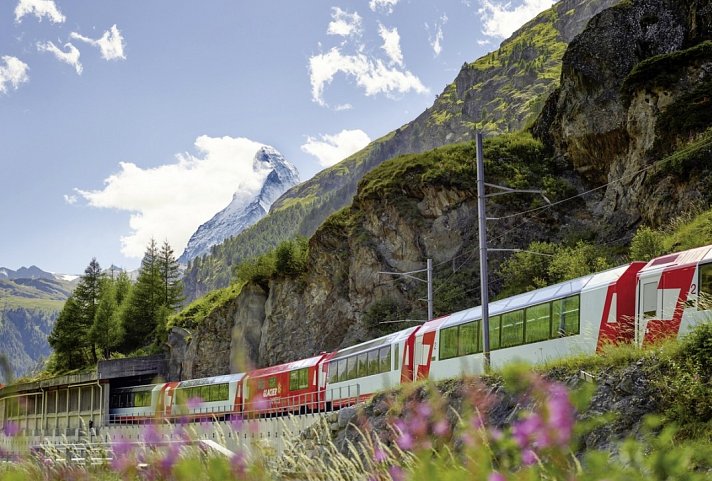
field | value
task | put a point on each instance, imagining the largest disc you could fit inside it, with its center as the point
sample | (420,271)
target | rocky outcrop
(605,117)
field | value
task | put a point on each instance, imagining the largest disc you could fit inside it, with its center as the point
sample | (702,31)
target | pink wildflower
(496,476)
(396,473)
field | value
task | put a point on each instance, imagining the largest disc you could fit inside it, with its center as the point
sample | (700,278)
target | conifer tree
(68,351)
(106,332)
(145,299)
(87,294)
(170,277)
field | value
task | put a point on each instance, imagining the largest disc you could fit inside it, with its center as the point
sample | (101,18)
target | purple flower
(121,455)
(194,403)
(424,410)
(11,428)
(238,463)
(528,457)
(561,412)
(169,460)
(396,473)
(150,435)
(379,455)
(236,422)
(527,430)
(441,428)
(496,476)
(405,441)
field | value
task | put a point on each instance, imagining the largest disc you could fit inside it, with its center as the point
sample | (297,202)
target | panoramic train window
(538,322)
(333,372)
(468,337)
(512,328)
(565,317)
(141,399)
(494,332)
(362,363)
(373,366)
(396,357)
(299,379)
(384,357)
(448,342)
(351,368)
(342,370)
(704,302)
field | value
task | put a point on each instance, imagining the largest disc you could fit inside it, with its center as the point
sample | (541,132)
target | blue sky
(121,121)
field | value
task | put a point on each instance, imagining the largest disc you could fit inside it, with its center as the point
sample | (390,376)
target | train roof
(538,296)
(206,381)
(374,343)
(286,367)
(679,259)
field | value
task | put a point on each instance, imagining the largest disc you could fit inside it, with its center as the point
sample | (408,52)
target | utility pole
(484,276)
(429,272)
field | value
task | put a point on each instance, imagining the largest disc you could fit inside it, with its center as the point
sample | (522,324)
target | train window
(396,357)
(512,328)
(495,332)
(448,342)
(468,338)
(650,299)
(299,379)
(351,368)
(565,317)
(223,392)
(704,302)
(272,382)
(342,370)
(333,372)
(384,358)
(362,365)
(373,366)
(538,324)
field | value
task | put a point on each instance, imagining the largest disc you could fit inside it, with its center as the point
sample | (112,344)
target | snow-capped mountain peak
(245,209)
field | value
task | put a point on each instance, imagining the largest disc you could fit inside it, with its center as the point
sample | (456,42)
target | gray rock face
(279,175)
(606,125)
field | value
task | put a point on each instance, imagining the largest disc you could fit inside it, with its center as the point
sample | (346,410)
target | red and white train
(635,303)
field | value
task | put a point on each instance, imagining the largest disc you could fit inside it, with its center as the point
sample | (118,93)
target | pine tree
(87,294)
(171,278)
(106,332)
(68,352)
(139,318)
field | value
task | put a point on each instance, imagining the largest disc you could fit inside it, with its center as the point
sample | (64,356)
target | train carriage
(292,387)
(139,403)
(214,396)
(357,372)
(674,294)
(577,316)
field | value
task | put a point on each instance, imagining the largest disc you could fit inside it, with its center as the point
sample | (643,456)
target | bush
(647,244)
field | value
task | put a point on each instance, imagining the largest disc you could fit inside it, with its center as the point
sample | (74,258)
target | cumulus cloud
(373,75)
(391,44)
(331,149)
(70,57)
(111,44)
(13,72)
(70,199)
(436,39)
(345,24)
(170,201)
(500,19)
(385,6)
(40,9)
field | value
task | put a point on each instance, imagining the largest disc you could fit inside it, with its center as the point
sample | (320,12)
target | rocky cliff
(500,92)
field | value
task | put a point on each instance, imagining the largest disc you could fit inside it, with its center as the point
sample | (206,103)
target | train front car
(674,295)
(209,397)
(573,317)
(293,387)
(357,372)
(136,404)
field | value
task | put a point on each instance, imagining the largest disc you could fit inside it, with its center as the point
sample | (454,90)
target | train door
(648,303)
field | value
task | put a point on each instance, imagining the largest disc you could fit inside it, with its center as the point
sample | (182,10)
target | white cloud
(371,75)
(39,8)
(70,199)
(500,19)
(13,72)
(436,40)
(111,44)
(330,149)
(170,201)
(391,44)
(70,57)
(382,5)
(344,23)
